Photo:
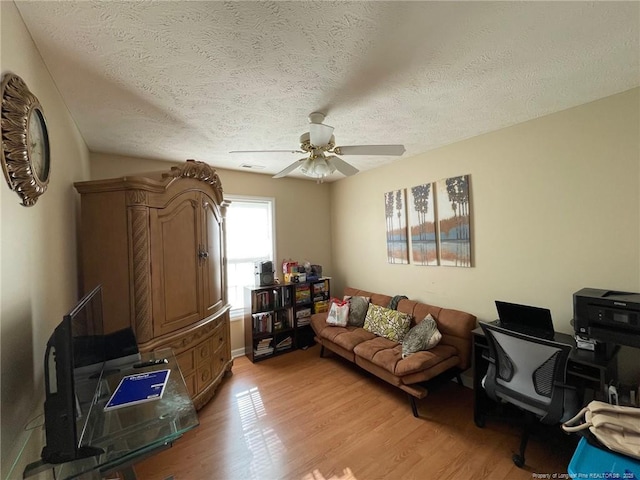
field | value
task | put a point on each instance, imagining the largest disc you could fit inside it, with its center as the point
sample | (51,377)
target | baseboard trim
(238,352)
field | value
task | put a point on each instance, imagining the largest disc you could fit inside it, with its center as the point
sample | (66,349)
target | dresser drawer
(203,352)
(219,359)
(186,362)
(204,375)
(218,337)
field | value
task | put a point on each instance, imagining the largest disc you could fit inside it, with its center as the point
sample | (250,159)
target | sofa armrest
(456,328)
(319,322)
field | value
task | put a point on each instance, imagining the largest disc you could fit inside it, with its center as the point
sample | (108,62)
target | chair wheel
(479,421)
(518,460)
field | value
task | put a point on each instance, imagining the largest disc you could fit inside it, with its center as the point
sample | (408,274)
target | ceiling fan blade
(342,166)
(320,134)
(266,151)
(370,150)
(290,168)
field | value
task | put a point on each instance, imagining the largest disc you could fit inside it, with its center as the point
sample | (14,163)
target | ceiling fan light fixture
(307,167)
(317,167)
(322,168)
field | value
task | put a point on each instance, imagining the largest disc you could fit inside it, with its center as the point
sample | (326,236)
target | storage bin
(593,462)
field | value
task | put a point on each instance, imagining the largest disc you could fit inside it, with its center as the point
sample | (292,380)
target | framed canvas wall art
(396,226)
(454,221)
(422,225)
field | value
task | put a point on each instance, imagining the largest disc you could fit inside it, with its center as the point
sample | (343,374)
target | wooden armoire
(156,243)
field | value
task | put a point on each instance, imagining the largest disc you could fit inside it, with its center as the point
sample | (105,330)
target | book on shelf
(285,343)
(321,287)
(262,322)
(303,312)
(303,294)
(321,306)
(282,320)
(277,299)
(263,347)
(262,300)
(304,321)
(285,294)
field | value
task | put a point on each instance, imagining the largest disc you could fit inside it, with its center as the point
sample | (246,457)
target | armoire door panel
(175,248)
(213,277)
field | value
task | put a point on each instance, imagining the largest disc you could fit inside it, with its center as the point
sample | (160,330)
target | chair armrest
(565,386)
(488,358)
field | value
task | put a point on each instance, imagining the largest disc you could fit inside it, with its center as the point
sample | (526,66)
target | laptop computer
(534,321)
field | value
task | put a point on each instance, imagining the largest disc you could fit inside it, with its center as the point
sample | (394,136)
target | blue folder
(138,388)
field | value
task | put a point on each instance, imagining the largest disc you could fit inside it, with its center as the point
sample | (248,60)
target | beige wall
(302,210)
(555,204)
(38,245)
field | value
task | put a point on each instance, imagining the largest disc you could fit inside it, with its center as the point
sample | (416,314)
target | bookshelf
(269,327)
(277,317)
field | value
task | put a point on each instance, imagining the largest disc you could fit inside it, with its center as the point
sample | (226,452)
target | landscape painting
(396,222)
(454,221)
(422,225)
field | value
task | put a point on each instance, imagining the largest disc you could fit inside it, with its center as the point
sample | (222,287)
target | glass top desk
(129,434)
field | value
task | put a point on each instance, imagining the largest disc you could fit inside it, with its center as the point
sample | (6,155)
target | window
(250,239)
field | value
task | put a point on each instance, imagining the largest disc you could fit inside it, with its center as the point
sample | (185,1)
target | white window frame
(236,313)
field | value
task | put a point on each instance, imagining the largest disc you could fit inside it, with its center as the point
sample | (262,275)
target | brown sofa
(383,357)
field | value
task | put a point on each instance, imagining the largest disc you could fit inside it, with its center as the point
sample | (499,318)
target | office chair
(529,373)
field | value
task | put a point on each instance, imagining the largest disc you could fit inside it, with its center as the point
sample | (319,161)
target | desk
(588,371)
(128,435)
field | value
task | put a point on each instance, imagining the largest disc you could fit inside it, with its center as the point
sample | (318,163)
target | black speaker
(263,267)
(264,279)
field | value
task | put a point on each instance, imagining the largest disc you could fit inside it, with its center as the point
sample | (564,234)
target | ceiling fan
(318,142)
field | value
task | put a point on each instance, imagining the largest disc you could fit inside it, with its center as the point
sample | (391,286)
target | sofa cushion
(424,360)
(423,336)
(358,306)
(380,351)
(346,337)
(388,355)
(387,323)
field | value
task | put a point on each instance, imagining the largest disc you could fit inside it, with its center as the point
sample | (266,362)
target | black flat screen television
(74,364)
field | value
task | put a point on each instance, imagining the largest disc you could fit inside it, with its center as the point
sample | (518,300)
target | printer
(607,316)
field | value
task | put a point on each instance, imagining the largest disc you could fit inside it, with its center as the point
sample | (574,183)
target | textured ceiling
(196,79)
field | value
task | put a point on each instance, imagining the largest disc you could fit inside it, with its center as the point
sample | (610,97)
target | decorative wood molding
(140,254)
(199,171)
(190,340)
(136,197)
(184,340)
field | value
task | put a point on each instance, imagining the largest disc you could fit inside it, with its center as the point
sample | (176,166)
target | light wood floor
(288,416)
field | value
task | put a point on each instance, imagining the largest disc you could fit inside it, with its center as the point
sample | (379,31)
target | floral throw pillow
(387,323)
(423,336)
